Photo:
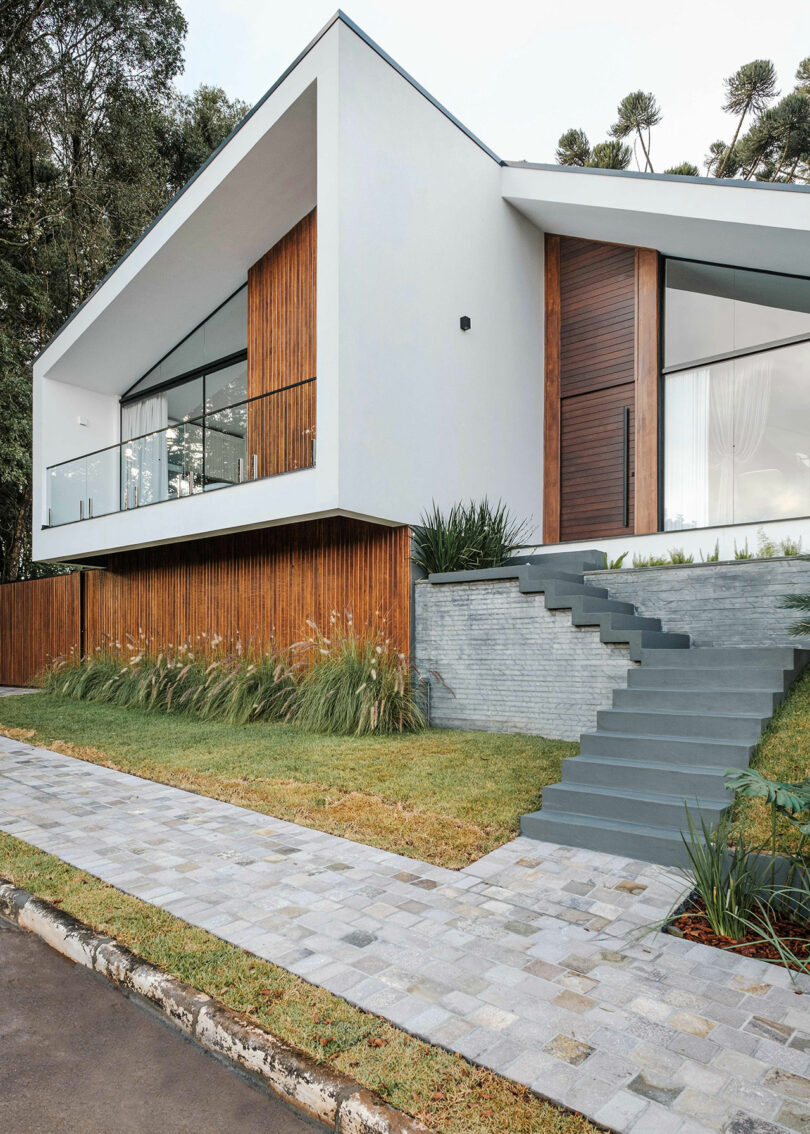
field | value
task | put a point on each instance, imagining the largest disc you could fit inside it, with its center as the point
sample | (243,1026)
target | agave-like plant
(467,537)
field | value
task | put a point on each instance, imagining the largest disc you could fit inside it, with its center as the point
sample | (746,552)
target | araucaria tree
(770,141)
(94,139)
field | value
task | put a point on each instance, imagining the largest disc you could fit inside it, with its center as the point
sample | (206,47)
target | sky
(518,73)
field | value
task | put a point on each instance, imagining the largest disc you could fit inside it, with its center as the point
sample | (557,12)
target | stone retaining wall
(719,604)
(512,665)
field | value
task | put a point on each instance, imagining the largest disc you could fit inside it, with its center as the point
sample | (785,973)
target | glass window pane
(737,440)
(226,331)
(223,333)
(226,387)
(184,402)
(226,447)
(711,311)
(772,434)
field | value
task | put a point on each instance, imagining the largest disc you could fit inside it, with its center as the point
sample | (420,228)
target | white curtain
(145,456)
(686,450)
(740,400)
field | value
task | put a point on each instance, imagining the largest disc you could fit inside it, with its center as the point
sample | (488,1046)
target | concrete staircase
(685,716)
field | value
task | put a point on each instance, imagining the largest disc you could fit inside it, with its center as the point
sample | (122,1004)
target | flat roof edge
(634,174)
(339,16)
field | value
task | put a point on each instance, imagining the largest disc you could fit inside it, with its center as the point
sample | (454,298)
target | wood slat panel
(591,460)
(282,351)
(597,320)
(39,622)
(260,586)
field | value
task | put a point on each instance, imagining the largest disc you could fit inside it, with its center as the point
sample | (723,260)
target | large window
(736,396)
(184,424)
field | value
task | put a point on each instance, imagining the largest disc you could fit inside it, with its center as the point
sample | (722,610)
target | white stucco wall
(428,411)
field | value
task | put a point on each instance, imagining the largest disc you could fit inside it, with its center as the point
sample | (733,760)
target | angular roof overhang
(746,224)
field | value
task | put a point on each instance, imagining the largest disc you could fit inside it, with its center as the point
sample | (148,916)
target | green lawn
(783,754)
(442,796)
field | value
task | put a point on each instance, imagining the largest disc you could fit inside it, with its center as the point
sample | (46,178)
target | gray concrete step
(651,808)
(611,836)
(760,701)
(560,596)
(662,749)
(646,641)
(612,620)
(687,781)
(708,678)
(715,726)
(731,656)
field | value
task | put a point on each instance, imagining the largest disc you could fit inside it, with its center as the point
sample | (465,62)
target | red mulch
(694,925)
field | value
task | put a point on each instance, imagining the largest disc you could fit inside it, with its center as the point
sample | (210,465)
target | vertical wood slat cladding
(281,351)
(260,585)
(601,357)
(39,621)
(647,383)
(551,417)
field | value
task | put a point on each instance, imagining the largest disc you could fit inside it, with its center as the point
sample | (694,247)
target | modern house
(355,308)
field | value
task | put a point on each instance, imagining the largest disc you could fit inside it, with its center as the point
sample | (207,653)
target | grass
(444,797)
(782,754)
(439,1087)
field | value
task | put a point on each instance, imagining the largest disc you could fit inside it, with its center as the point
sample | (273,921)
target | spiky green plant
(801,627)
(743,552)
(727,879)
(650,560)
(713,556)
(617,563)
(354,682)
(467,537)
(678,555)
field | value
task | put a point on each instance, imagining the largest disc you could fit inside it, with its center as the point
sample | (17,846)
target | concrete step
(568,560)
(707,678)
(560,596)
(596,606)
(783,657)
(687,781)
(663,749)
(700,700)
(646,641)
(652,844)
(553,574)
(614,620)
(715,726)
(627,806)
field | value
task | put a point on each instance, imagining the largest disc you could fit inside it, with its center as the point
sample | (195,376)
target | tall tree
(637,113)
(93,140)
(749,90)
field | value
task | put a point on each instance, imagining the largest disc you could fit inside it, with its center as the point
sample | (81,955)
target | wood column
(551,417)
(647,384)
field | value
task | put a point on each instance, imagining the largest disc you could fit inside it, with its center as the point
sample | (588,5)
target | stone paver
(14,691)
(532,961)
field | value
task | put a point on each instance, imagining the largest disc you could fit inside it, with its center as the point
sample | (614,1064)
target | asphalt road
(76,1055)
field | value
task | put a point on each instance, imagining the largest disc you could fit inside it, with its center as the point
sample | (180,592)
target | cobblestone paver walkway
(527,962)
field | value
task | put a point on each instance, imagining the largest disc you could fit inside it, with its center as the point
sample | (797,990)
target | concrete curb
(328,1096)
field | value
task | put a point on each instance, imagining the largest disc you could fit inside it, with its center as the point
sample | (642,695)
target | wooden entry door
(601,400)
(596,463)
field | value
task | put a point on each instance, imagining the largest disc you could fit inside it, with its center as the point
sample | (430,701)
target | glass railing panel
(67,492)
(226,455)
(256,438)
(102,482)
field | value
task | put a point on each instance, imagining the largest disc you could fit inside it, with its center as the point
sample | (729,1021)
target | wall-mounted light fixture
(465,322)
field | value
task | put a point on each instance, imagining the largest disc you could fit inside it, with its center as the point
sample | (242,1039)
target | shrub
(351,682)
(678,555)
(723,878)
(801,627)
(769,548)
(468,537)
(713,556)
(650,561)
(235,687)
(617,563)
(742,552)
(355,682)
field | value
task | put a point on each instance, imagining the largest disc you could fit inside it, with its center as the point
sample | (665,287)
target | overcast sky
(518,73)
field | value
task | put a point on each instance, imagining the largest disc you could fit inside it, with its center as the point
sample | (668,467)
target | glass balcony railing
(259,437)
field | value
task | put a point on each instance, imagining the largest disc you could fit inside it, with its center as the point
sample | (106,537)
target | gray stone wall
(719,604)
(512,665)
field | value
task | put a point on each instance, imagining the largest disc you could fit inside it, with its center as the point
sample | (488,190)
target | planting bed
(692,923)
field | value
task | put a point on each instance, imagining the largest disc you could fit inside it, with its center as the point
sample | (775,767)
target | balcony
(253,439)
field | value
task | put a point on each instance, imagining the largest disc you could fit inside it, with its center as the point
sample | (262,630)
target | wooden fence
(39,620)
